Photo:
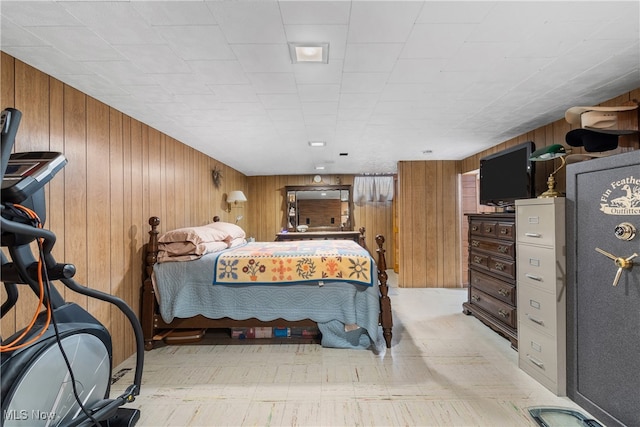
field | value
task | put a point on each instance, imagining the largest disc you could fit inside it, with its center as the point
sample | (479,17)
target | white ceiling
(403,76)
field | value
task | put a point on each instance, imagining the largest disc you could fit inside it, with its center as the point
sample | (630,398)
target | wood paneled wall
(267,207)
(429,224)
(119,173)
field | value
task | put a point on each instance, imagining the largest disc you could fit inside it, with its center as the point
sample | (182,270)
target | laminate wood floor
(444,369)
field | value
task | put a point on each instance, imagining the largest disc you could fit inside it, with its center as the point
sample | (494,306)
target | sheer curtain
(372,189)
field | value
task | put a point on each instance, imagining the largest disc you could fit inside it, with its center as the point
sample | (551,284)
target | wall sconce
(234,197)
(549,153)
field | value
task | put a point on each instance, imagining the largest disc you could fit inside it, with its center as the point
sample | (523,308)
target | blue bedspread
(185,290)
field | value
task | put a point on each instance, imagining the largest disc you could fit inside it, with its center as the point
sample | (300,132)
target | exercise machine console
(57,370)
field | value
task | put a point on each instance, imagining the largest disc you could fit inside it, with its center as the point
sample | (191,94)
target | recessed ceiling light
(319,168)
(427,151)
(309,52)
(317,143)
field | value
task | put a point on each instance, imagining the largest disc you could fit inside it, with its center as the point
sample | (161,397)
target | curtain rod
(377,174)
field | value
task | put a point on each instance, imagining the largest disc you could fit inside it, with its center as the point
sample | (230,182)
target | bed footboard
(155,329)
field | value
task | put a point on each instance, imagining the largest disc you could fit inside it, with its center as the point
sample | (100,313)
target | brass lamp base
(551,189)
(550,194)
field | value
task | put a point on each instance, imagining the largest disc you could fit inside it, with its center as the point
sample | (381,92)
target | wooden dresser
(492,273)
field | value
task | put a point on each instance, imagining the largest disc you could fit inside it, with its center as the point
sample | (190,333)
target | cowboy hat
(595,140)
(595,117)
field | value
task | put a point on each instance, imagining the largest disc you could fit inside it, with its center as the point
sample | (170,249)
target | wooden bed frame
(155,329)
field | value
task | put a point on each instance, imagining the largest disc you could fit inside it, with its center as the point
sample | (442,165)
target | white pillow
(229,229)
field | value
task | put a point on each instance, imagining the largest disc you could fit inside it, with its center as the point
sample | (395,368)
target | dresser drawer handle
(475,243)
(536,362)
(503,313)
(504,292)
(504,231)
(533,277)
(533,235)
(475,298)
(477,259)
(503,249)
(488,229)
(534,320)
(474,228)
(499,266)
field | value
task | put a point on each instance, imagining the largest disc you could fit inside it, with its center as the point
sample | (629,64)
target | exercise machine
(57,370)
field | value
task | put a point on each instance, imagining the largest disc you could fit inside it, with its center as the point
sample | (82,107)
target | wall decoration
(216,174)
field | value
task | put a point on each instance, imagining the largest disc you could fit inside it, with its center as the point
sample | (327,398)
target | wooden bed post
(386,319)
(361,239)
(148,299)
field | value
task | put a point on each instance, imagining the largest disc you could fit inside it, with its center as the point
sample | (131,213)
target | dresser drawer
(502,266)
(500,310)
(537,353)
(498,247)
(475,227)
(494,287)
(536,224)
(488,228)
(506,231)
(537,267)
(538,309)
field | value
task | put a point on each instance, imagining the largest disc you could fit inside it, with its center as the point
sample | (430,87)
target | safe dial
(625,231)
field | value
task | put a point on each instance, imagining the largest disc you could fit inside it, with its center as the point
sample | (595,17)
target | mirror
(321,208)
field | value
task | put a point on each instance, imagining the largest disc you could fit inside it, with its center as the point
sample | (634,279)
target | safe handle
(621,263)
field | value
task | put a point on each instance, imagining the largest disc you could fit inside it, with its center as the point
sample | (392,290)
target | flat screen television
(507,176)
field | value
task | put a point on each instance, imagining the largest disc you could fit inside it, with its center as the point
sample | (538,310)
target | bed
(211,286)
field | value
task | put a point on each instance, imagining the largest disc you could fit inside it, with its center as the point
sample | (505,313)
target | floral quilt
(292,262)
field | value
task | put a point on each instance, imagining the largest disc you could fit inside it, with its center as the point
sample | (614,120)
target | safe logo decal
(622,198)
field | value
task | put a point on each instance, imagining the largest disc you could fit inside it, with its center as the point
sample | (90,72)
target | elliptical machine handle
(28,230)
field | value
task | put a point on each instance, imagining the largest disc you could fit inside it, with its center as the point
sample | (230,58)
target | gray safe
(603,320)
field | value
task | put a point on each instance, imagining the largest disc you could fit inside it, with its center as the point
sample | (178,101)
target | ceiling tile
(330,73)
(364,82)
(235,93)
(165,13)
(273,82)
(77,43)
(249,22)
(436,40)
(416,70)
(372,57)
(310,93)
(263,58)
(33,14)
(382,22)
(98,17)
(203,42)
(313,13)
(219,72)
(154,59)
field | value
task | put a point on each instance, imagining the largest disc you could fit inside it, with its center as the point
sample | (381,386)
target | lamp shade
(548,153)
(236,196)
